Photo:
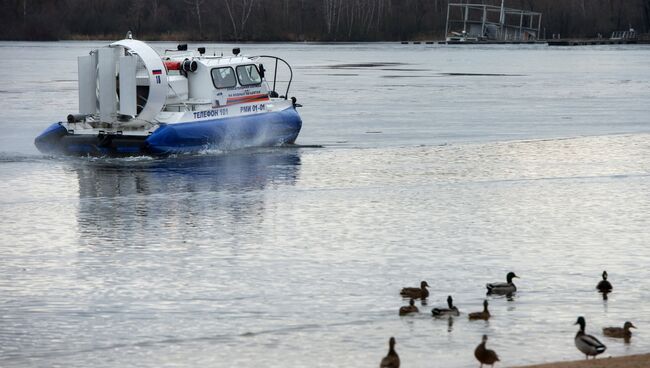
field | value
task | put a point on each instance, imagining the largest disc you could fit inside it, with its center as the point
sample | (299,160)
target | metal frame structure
(496,23)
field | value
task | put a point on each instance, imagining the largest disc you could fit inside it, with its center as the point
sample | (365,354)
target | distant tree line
(292,20)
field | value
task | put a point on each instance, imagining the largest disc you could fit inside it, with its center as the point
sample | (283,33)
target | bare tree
(344,20)
(135,15)
(239,12)
(646,7)
(331,14)
(155,4)
(195,5)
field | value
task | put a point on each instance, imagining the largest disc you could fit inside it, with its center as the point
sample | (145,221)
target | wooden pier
(558,42)
(491,42)
(485,42)
(590,42)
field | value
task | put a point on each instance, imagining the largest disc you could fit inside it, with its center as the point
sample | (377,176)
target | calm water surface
(453,165)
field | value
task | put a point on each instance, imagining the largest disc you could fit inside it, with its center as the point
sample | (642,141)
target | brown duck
(484,355)
(416,293)
(391,360)
(619,332)
(411,308)
(485,315)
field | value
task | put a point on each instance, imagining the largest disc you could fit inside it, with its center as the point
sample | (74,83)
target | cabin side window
(224,77)
(248,75)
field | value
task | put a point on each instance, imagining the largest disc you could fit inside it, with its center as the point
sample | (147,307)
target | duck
(604,286)
(587,344)
(411,308)
(619,332)
(416,293)
(502,288)
(391,360)
(484,355)
(450,311)
(485,315)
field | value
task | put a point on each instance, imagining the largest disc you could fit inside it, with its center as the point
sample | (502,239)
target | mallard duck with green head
(587,344)
(503,288)
(451,311)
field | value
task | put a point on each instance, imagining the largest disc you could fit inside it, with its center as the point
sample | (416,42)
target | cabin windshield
(248,75)
(224,77)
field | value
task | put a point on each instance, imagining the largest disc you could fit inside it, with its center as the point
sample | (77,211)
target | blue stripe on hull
(267,129)
(50,140)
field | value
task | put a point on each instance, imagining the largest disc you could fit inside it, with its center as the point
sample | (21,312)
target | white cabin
(129,86)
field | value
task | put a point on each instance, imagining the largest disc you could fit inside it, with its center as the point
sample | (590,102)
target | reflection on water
(245,170)
(137,195)
(265,257)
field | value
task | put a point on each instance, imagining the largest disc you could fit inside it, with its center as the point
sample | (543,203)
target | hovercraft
(133,101)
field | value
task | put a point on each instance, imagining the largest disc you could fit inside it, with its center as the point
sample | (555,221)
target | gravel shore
(632,361)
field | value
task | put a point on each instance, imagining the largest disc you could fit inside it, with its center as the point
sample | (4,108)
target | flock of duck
(587,344)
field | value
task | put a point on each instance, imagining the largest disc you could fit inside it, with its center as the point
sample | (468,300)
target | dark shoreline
(433,41)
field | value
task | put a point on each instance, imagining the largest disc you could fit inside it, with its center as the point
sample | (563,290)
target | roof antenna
(129,35)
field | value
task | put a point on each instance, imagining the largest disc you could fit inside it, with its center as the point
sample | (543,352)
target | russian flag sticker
(156,72)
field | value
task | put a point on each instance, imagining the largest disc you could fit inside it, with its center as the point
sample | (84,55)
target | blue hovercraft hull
(259,130)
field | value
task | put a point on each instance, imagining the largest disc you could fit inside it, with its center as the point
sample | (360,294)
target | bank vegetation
(293,20)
